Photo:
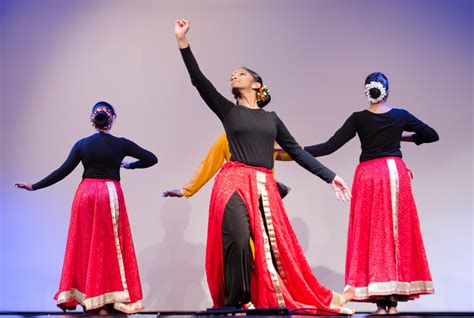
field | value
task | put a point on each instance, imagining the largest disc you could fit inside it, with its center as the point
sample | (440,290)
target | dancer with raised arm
(245,203)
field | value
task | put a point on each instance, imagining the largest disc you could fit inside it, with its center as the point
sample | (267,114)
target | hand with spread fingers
(342,191)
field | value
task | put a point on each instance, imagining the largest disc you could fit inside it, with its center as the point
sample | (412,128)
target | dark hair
(377,77)
(101,119)
(257,78)
(105,104)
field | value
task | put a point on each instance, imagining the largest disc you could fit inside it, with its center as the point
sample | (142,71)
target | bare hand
(125,165)
(342,191)
(22,185)
(175,193)
(181,27)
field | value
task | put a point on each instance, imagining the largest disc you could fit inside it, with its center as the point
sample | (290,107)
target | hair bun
(263,96)
(376,87)
(102,118)
(375,93)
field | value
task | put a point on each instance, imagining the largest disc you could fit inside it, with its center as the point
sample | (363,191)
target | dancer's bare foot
(392,305)
(392,310)
(103,311)
(348,294)
(246,306)
(381,310)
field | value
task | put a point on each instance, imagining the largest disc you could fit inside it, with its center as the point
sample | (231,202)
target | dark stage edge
(248,313)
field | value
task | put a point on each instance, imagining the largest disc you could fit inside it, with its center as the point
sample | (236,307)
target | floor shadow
(174,268)
(328,277)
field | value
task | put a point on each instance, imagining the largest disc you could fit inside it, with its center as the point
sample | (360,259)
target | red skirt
(385,253)
(100,266)
(292,284)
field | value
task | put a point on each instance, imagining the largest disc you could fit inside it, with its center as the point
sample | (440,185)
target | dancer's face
(241,79)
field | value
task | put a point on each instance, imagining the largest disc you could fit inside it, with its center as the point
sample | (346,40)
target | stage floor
(189,314)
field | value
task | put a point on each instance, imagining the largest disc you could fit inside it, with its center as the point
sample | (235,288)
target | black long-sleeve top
(251,132)
(379,134)
(101,155)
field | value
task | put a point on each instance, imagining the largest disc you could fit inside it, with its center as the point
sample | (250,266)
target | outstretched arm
(339,139)
(62,172)
(213,161)
(307,161)
(216,102)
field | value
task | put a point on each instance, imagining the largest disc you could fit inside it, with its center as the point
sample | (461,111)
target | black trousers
(237,253)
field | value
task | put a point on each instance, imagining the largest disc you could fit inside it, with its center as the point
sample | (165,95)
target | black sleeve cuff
(185,51)
(330,177)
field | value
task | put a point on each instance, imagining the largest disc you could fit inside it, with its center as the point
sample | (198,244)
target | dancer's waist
(239,165)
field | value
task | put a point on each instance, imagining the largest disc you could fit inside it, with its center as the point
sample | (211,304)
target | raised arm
(145,158)
(57,175)
(422,132)
(307,161)
(216,102)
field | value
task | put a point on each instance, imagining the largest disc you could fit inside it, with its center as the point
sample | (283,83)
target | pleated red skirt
(385,252)
(99,265)
(292,284)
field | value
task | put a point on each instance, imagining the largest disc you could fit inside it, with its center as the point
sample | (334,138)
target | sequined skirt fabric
(385,251)
(290,283)
(99,264)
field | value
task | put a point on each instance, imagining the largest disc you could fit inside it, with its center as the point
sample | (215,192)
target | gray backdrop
(60,57)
